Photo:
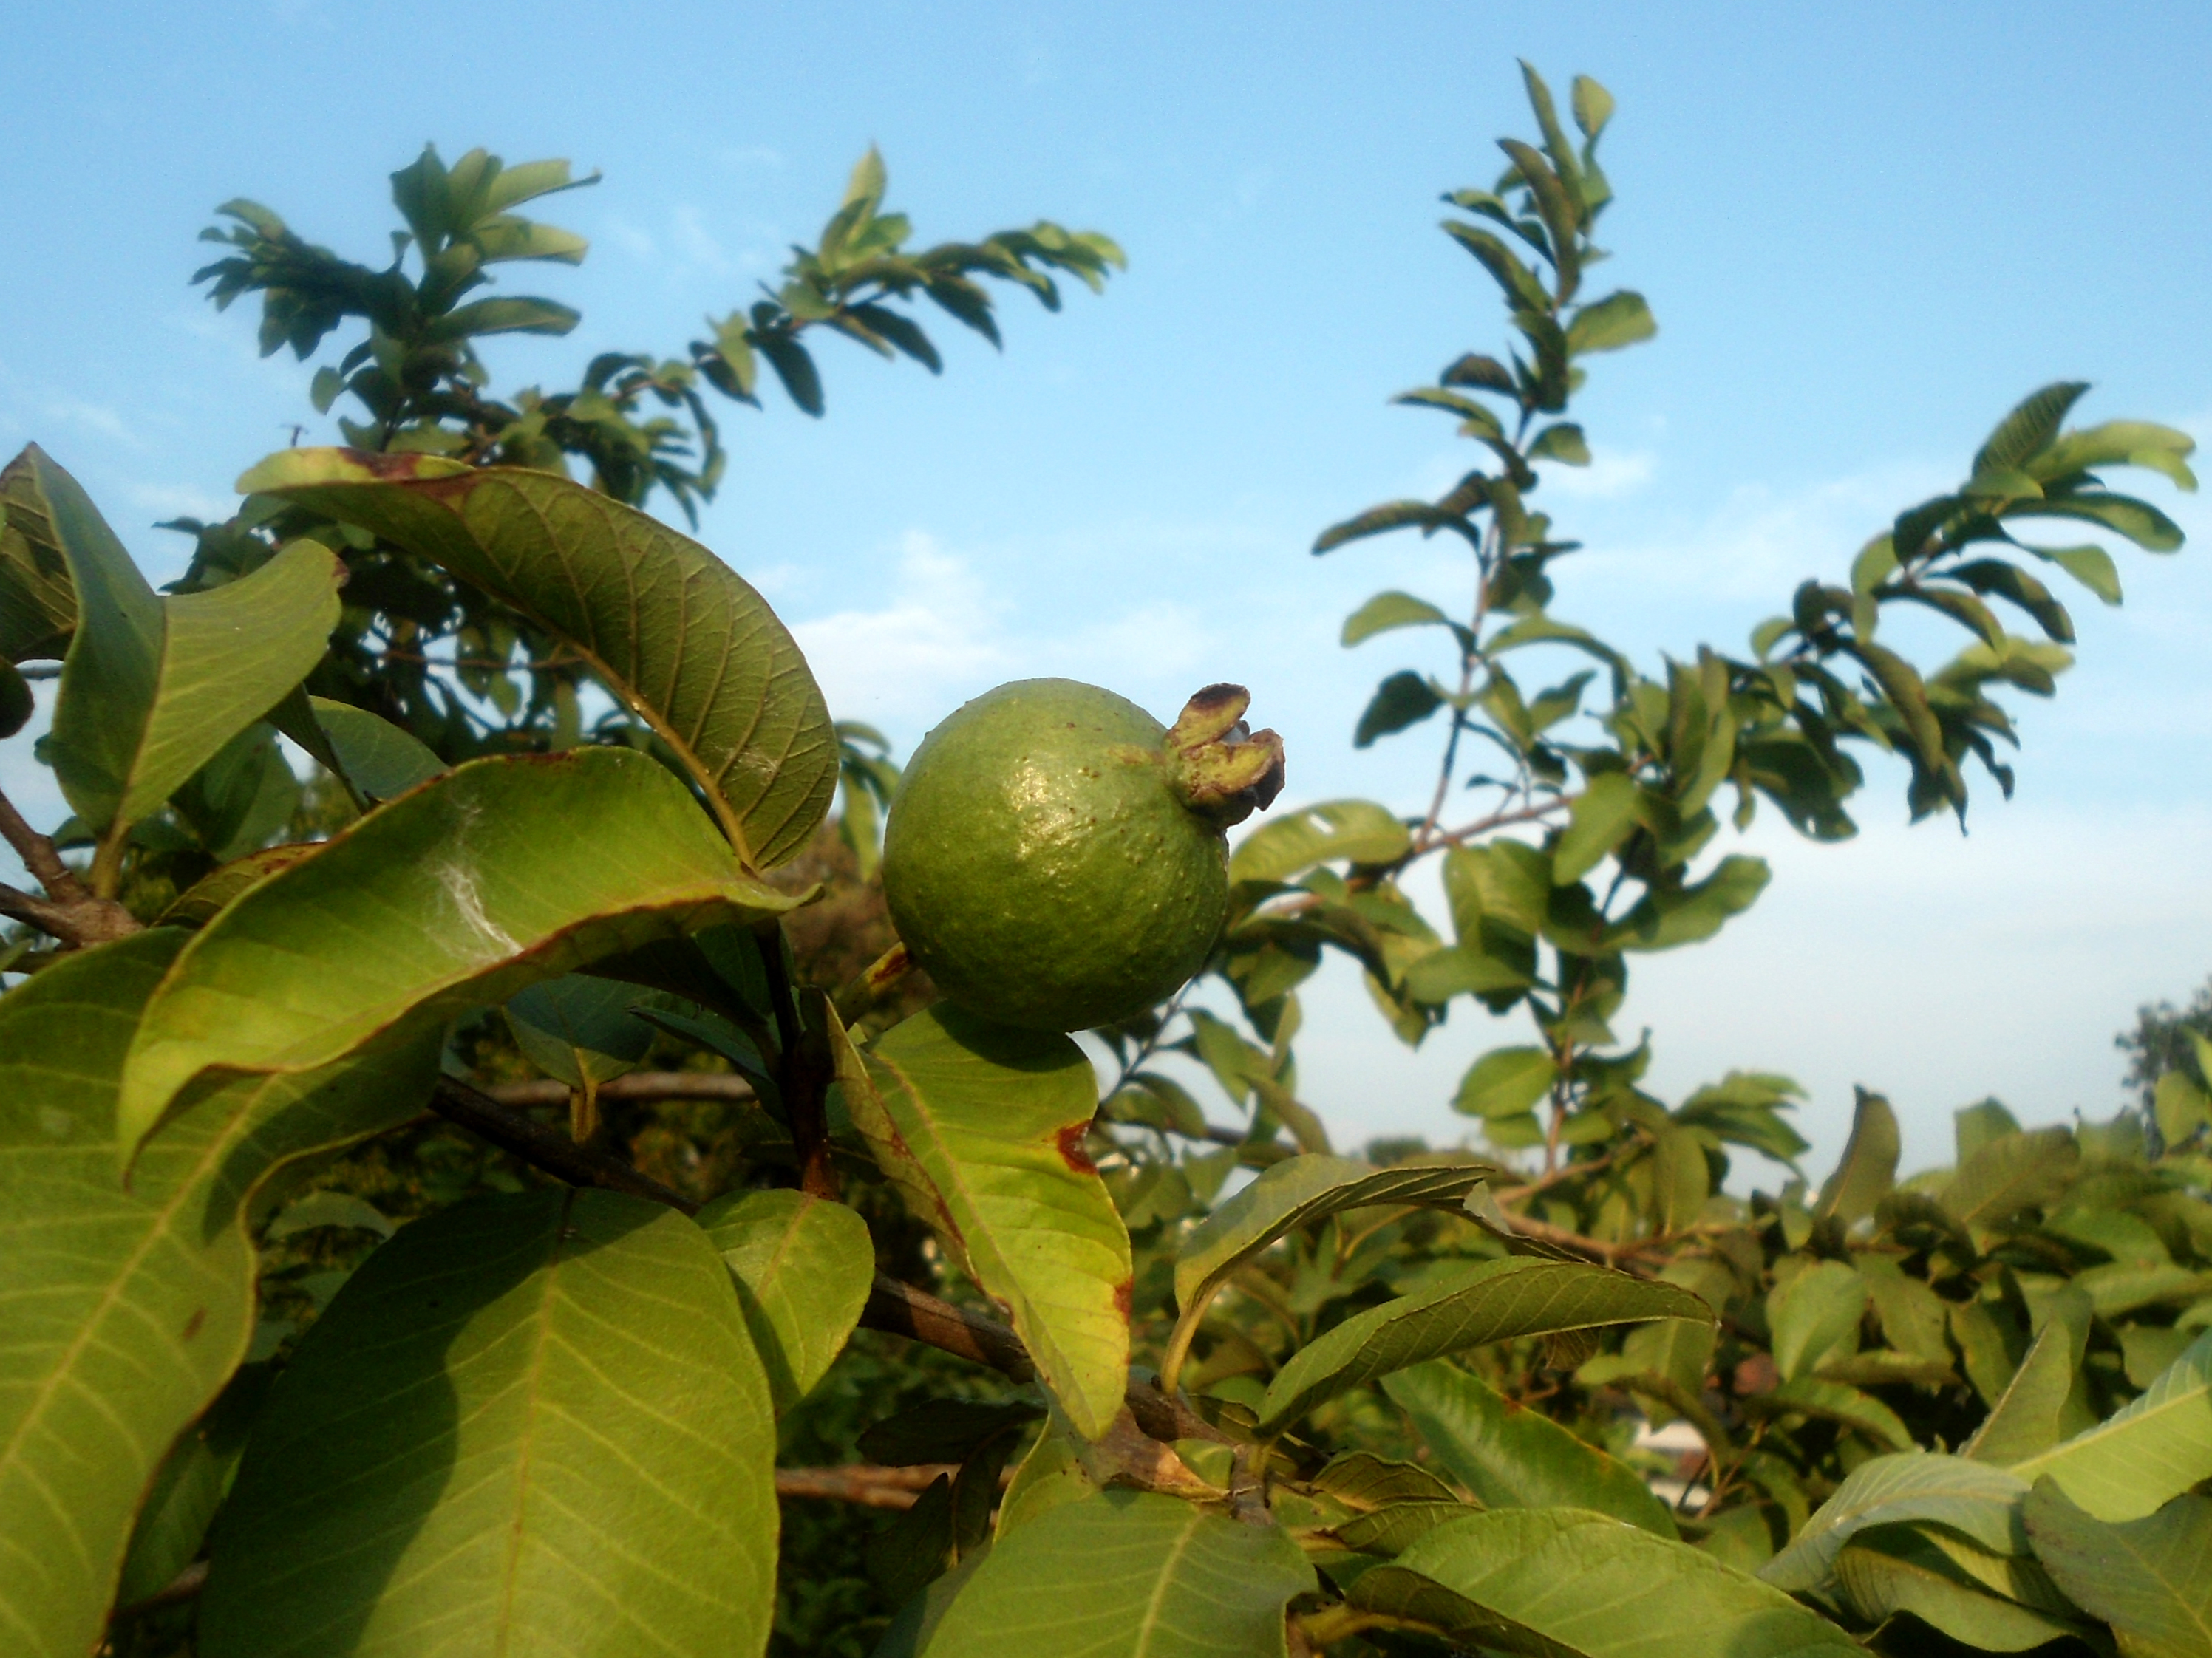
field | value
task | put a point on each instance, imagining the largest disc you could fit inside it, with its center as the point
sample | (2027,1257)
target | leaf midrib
(1150,1622)
(534,1377)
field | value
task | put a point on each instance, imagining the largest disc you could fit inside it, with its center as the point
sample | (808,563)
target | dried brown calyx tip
(1219,766)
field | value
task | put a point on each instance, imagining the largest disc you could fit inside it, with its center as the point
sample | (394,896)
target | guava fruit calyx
(1217,766)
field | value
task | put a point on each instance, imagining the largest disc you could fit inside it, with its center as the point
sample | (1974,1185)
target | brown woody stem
(68,912)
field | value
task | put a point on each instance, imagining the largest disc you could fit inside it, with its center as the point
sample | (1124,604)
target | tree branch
(901,1310)
(68,912)
(40,856)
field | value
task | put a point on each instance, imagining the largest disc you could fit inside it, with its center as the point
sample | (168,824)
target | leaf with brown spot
(971,1122)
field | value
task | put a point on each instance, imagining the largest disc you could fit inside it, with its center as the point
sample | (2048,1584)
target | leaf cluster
(297,1370)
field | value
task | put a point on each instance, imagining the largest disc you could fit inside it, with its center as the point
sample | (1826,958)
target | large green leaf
(1127,1575)
(1512,1457)
(981,1128)
(2002,1176)
(529,1424)
(670,629)
(126,1308)
(2046,1401)
(2147,1578)
(457,894)
(1298,1192)
(1815,1316)
(1357,830)
(1566,1584)
(153,687)
(38,606)
(803,1266)
(1491,1300)
(1893,1569)
(1973,1499)
(2139,1457)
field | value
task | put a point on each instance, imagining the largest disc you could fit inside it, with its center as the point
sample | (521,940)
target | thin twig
(640,1087)
(546,1148)
(901,1310)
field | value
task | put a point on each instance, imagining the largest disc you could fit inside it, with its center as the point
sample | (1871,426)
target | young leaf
(1511,1457)
(1973,1499)
(1127,1575)
(538,1418)
(374,754)
(1833,1401)
(1388,611)
(2029,427)
(669,628)
(1505,1081)
(129,1307)
(1619,320)
(153,687)
(2046,1401)
(2145,1577)
(1493,1301)
(803,1267)
(1298,1191)
(1604,817)
(455,896)
(982,1127)
(1404,699)
(1357,831)
(2144,1455)
(1868,1169)
(1571,1584)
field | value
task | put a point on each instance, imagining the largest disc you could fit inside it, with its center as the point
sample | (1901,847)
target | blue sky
(1866,231)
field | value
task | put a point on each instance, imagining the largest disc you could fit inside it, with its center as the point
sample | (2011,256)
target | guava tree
(1352,1404)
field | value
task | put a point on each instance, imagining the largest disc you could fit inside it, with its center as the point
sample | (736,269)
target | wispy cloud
(181,501)
(744,158)
(938,630)
(696,243)
(1610,473)
(95,417)
(943,631)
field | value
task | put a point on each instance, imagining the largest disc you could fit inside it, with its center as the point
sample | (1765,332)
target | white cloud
(181,501)
(937,632)
(944,631)
(1610,473)
(94,417)
(696,243)
(746,157)
(637,243)
(1760,542)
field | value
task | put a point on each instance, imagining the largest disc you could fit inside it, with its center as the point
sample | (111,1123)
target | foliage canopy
(470,1198)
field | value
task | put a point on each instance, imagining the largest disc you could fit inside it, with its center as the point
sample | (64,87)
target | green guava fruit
(1056,857)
